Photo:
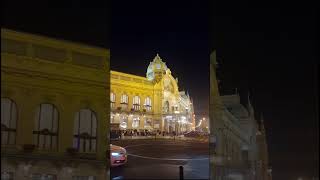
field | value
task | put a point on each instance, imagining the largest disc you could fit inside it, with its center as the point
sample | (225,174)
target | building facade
(54,108)
(238,148)
(151,103)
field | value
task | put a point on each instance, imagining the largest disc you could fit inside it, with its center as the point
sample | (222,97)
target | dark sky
(266,49)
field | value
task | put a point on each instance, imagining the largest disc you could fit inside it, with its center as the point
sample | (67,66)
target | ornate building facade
(238,148)
(54,122)
(150,103)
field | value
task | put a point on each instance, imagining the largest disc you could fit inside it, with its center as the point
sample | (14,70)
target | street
(161,158)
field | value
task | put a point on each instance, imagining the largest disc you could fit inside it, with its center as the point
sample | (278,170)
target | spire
(157,58)
(249,106)
(262,124)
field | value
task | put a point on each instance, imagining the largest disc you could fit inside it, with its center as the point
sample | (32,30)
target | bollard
(181,172)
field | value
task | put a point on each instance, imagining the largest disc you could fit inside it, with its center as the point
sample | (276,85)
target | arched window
(136,103)
(166,107)
(124,101)
(85,131)
(8,121)
(123,121)
(113,100)
(147,103)
(45,133)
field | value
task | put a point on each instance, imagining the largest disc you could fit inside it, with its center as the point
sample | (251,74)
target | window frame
(124,101)
(112,100)
(82,148)
(5,128)
(148,103)
(46,132)
(136,103)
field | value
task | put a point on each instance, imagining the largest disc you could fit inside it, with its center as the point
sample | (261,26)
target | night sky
(180,37)
(267,50)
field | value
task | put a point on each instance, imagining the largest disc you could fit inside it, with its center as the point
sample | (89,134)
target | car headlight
(115,154)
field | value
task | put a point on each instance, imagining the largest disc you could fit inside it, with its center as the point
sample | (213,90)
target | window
(43,177)
(112,118)
(147,123)
(6,175)
(124,101)
(85,131)
(123,121)
(135,122)
(147,104)
(166,107)
(8,121)
(136,103)
(45,133)
(112,100)
(83,178)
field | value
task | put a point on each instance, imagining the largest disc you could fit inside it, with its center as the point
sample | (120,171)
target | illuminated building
(151,103)
(54,122)
(237,140)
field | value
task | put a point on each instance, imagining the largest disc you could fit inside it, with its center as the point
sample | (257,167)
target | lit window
(147,123)
(123,121)
(112,100)
(124,101)
(8,121)
(85,131)
(45,133)
(135,122)
(136,103)
(112,118)
(147,104)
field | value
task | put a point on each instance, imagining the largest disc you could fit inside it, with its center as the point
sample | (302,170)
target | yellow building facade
(151,103)
(54,108)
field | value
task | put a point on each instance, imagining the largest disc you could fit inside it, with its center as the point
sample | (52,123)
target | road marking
(137,145)
(168,159)
(165,159)
(153,144)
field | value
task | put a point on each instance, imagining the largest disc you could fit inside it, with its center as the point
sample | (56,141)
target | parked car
(195,134)
(118,155)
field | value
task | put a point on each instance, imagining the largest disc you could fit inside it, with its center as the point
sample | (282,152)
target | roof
(232,103)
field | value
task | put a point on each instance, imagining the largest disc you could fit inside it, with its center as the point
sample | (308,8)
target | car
(118,155)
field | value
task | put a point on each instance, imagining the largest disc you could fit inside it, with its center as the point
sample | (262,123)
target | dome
(156,68)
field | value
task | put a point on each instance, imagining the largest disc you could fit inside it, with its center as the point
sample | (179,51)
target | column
(66,122)
(129,125)
(142,118)
(118,98)
(26,106)
(102,132)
